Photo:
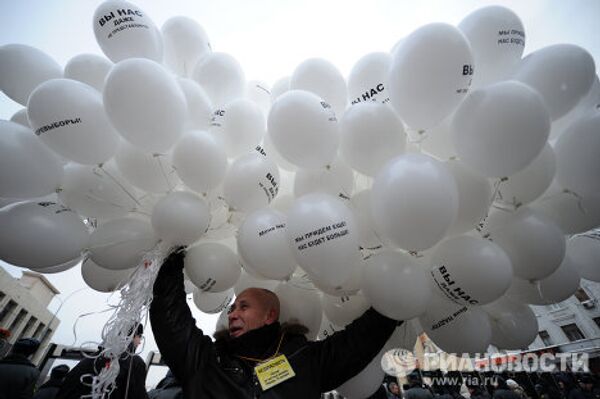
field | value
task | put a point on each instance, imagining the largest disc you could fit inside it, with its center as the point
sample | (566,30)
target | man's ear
(272,316)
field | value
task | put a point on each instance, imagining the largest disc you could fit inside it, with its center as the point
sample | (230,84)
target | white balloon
(23,68)
(561,284)
(27,167)
(60,267)
(562,73)
(345,309)
(123,30)
(262,244)
(40,234)
(104,280)
(145,104)
(303,129)
(474,197)
(577,156)
(268,149)
(414,200)
(529,183)
(500,129)
(20,117)
(514,325)
(212,266)
(371,135)
(470,270)
(200,173)
(404,336)
(186,42)
(68,117)
(368,79)
(457,328)
(221,76)
(534,243)
(336,179)
(259,93)
(249,281)
(199,105)
(251,182)
(327,328)
(430,74)
(572,212)
(586,107)
(301,306)
(279,87)
(212,302)
(437,140)
(396,285)
(90,69)
(97,192)
(323,236)
(240,125)
(180,218)
(321,77)
(365,383)
(150,172)
(121,243)
(584,252)
(526,291)
(361,205)
(348,287)
(497,40)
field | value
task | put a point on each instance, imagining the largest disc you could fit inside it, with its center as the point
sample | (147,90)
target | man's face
(137,340)
(394,388)
(247,313)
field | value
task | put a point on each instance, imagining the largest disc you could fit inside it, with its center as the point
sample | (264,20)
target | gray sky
(269,38)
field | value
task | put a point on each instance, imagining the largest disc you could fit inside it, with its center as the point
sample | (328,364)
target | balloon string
(164,173)
(121,186)
(103,200)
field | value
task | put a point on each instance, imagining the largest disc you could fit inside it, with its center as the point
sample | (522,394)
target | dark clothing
(215,370)
(17,377)
(417,392)
(49,389)
(167,388)
(479,393)
(380,393)
(505,393)
(130,383)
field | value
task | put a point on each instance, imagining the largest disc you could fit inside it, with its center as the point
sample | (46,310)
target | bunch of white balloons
(450,181)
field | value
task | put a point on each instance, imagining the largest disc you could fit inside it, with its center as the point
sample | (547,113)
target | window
(7,310)
(572,332)
(28,326)
(545,337)
(15,324)
(2,296)
(597,321)
(38,331)
(581,295)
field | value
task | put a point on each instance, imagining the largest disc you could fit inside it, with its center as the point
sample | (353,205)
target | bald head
(253,308)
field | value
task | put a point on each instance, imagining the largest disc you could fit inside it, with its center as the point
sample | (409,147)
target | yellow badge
(273,372)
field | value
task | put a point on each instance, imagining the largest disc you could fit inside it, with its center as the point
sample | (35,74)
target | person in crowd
(393,390)
(130,383)
(380,393)
(50,388)
(256,356)
(586,384)
(516,388)
(415,388)
(476,391)
(18,375)
(167,388)
(502,391)
(568,387)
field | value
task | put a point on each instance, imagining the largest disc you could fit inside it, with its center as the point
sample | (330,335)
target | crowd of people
(563,385)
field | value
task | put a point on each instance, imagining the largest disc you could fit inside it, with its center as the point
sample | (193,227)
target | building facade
(24,309)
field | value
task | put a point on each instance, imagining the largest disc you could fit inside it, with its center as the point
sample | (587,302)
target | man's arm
(345,353)
(180,342)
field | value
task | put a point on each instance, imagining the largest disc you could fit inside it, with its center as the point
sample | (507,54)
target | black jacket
(17,377)
(132,368)
(213,370)
(49,389)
